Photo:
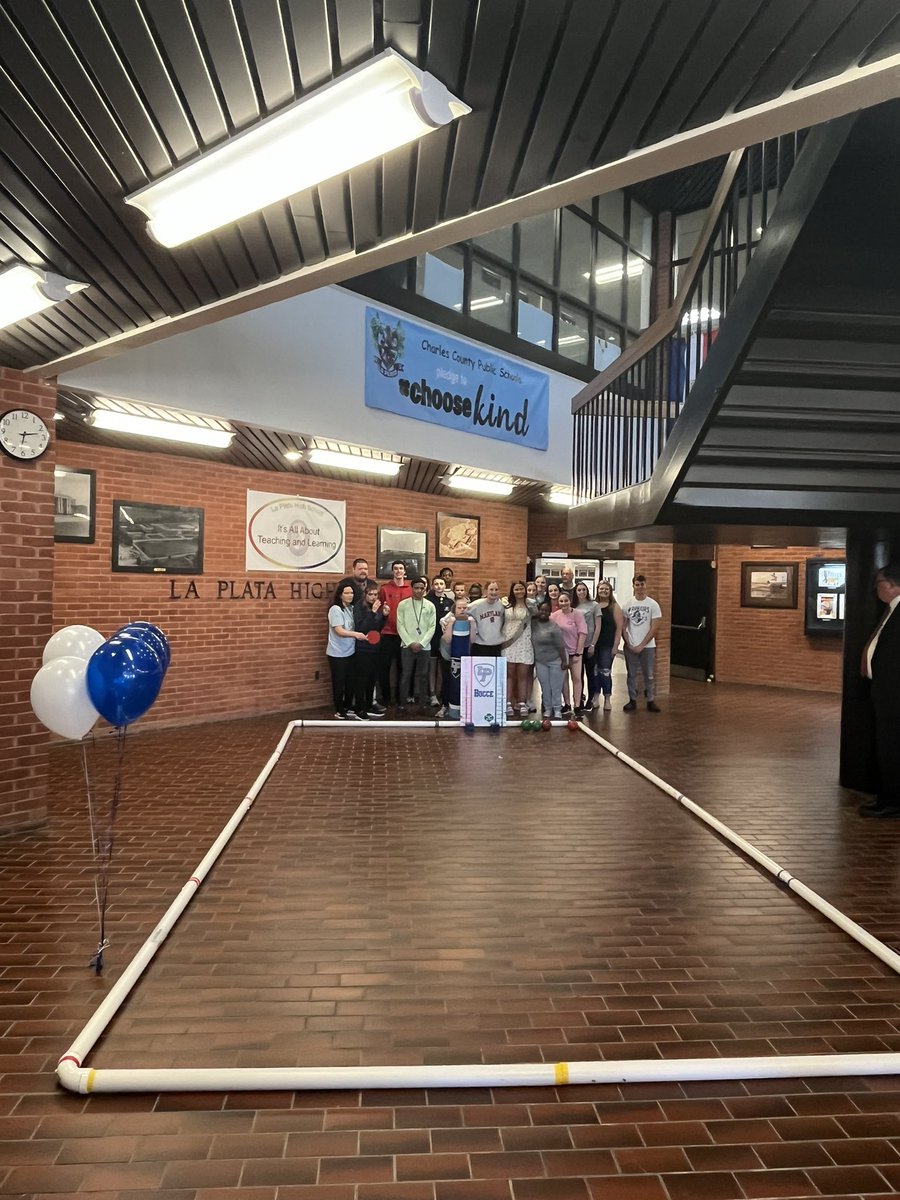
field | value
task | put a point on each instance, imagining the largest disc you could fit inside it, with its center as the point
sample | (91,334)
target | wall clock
(23,434)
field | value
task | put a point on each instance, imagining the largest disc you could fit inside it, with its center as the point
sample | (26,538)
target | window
(441,277)
(611,212)
(489,299)
(637,313)
(499,243)
(573,333)
(609,271)
(640,234)
(537,241)
(607,346)
(535,317)
(575,257)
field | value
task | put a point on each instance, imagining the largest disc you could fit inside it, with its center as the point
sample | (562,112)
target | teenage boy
(415,624)
(368,617)
(446,573)
(391,595)
(443,604)
(642,617)
(489,614)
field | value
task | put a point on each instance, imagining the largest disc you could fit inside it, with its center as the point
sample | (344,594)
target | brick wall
(655,561)
(548,531)
(768,646)
(236,657)
(26,589)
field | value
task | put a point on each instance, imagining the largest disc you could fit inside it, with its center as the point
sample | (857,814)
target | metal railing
(623,418)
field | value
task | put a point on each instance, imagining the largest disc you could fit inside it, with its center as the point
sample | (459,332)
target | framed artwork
(152,539)
(409,545)
(826,588)
(458,538)
(768,585)
(74,503)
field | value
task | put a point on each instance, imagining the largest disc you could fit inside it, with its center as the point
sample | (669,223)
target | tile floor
(419,897)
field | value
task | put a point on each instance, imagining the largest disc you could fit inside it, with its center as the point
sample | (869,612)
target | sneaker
(567,711)
(630,706)
(524,710)
(441,712)
(589,707)
(652,706)
(360,716)
(377,710)
(579,710)
(531,708)
(557,715)
(434,702)
(350,715)
(340,716)
(510,711)
(607,703)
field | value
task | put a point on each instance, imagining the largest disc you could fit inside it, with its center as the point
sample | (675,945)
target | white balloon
(60,699)
(78,641)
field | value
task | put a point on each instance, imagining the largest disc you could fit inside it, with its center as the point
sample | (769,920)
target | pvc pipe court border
(75,1077)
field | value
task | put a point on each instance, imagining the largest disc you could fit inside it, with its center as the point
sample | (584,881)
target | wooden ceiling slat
(219,29)
(534,50)
(234,251)
(355,23)
(307,219)
(365,205)
(336,215)
(495,28)
(282,233)
(151,77)
(582,40)
(817,25)
(254,234)
(599,103)
(268,50)
(177,44)
(719,35)
(760,41)
(860,28)
(398,172)
(681,23)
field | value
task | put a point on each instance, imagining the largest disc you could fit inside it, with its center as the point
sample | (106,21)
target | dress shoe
(885,813)
(652,706)
(630,706)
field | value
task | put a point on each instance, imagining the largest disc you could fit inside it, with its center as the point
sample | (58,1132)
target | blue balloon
(124,676)
(153,635)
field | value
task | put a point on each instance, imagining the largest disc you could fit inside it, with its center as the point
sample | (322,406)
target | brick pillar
(655,561)
(26,608)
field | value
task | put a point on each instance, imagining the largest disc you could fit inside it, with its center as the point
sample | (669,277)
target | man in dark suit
(881,664)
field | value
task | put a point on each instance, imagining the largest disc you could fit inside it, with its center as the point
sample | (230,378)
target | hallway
(420,897)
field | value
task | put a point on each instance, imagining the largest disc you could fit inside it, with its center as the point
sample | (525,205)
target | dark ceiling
(99,97)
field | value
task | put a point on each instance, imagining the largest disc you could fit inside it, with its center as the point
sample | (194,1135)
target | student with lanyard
(415,625)
(443,604)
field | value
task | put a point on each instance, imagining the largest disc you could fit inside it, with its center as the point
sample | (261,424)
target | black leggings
(342,682)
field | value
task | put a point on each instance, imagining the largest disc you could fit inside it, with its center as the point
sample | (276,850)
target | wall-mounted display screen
(826,583)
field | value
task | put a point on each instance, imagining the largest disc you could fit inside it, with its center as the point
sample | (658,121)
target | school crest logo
(484,673)
(388,342)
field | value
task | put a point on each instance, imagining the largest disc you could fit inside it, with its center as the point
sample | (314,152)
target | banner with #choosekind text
(419,372)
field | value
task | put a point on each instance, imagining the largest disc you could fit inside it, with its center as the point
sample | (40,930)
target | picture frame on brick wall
(409,545)
(157,539)
(74,504)
(769,585)
(457,537)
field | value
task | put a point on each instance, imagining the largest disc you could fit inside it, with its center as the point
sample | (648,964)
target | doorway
(693,618)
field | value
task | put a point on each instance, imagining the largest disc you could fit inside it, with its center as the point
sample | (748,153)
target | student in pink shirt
(574,631)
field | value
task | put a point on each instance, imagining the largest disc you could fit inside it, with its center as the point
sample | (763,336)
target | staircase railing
(623,418)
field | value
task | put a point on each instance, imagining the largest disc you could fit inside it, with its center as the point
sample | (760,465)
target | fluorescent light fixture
(571,339)
(59,417)
(369,111)
(485,302)
(293,455)
(170,431)
(565,498)
(486,487)
(25,291)
(612,274)
(697,316)
(354,462)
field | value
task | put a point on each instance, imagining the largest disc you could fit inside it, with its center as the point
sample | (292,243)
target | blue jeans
(550,678)
(643,662)
(601,668)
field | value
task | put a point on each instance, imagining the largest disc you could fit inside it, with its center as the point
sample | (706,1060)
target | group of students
(409,639)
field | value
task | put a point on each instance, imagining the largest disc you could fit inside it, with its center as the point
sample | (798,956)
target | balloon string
(105,850)
(89,787)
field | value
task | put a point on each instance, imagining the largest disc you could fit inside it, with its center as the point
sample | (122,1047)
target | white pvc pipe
(849,926)
(77,1078)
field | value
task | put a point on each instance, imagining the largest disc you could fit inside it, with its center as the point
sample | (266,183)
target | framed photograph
(769,585)
(74,502)
(458,538)
(157,539)
(826,584)
(409,545)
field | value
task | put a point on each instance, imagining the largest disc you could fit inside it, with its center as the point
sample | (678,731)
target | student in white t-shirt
(489,615)
(642,617)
